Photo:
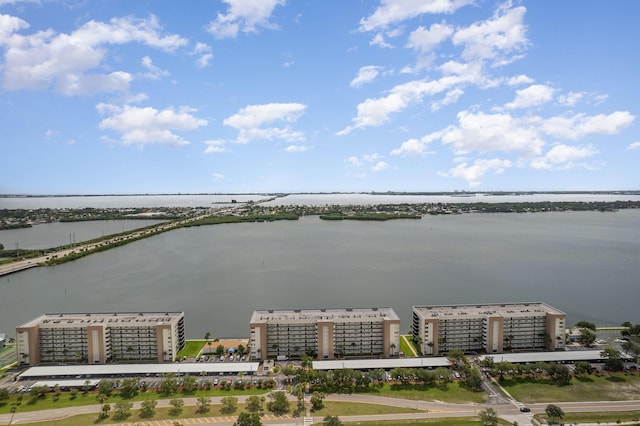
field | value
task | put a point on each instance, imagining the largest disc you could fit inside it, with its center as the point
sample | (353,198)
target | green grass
(605,417)
(449,421)
(192,348)
(344,408)
(605,387)
(333,408)
(406,346)
(454,393)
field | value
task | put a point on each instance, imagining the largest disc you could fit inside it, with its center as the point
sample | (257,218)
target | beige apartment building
(489,328)
(98,338)
(325,333)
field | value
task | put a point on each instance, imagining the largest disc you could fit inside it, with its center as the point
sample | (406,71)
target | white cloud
(451,97)
(296,148)
(244,15)
(354,161)
(215,147)
(249,122)
(153,72)
(634,145)
(519,79)
(502,34)
(71,62)
(372,161)
(534,95)
(394,11)
(379,40)
(493,132)
(580,125)
(563,156)
(9,25)
(425,40)
(472,173)
(144,126)
(375,112)
(202,52)
(379,167)
(366,75)
(218,177)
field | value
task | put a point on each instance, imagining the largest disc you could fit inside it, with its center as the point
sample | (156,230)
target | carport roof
(110,370)
(558,356)
(386,364)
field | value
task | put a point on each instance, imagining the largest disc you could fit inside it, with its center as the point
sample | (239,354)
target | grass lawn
(607,417)
(454,393)
(191,348)
(332,408)
(407,346)
(449,421)
(343,408)
(605,387)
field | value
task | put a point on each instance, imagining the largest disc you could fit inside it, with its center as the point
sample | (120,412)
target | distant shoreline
(282,194)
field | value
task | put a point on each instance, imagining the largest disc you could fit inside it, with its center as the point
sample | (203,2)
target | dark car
(525,409)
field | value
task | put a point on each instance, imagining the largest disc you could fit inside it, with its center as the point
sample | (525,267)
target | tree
(583,367)
(169,385)
(177,406)
(129,388)
(254,404)
(472,379)
(554,412)
(613,359)
(586,324)
(229,405)
(204,404)
(148,408)
(317,401)
(489,417)
(587,337)
(189,383)
(559,373)
(4,395)
(220,350)
(279,403)
(122,410)
(331,421)
(248,419)
(105,387)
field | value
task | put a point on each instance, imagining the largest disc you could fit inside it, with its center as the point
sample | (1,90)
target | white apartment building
(488,328)
(325,333)
(98,338)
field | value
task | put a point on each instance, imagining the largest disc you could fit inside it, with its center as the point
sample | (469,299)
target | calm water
(49,235)
(585,263)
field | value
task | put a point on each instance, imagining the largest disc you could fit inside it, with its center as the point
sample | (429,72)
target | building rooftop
(130,370)
(489,309)
(335,315)
(385,364)
(113,318)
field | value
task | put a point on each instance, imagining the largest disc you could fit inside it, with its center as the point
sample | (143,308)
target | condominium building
(325,333)
(490,328)
(98,338)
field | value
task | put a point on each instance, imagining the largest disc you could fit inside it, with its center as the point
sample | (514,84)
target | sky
(245,96)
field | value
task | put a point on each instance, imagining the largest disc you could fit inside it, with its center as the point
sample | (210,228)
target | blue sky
(108,96)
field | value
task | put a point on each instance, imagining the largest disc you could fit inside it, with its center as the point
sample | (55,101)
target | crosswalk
(197,420)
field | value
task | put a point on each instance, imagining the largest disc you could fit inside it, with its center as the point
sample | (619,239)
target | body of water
(49,235)
(584,263)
